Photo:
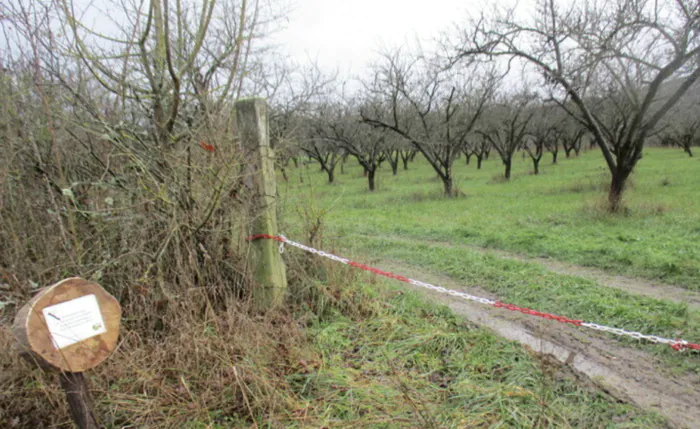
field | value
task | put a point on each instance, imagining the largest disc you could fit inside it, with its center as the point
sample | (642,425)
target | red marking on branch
(208,147)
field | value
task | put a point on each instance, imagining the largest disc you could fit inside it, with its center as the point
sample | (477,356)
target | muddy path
(632,285)
(628,374)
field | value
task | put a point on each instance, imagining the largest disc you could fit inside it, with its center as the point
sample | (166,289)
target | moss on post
(252,121)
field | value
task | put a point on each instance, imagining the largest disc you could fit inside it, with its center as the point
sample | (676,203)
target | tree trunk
(395,168)
(478,162)
(447,183)
(555,155)
(617,186)
(577,149)
(468,157)
(567,150)
(370,179)
(295,160)
(405,163)
(536,165)
(688,151)
(508,165)
(331,174)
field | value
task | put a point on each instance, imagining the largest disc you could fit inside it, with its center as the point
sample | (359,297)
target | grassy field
(559,214)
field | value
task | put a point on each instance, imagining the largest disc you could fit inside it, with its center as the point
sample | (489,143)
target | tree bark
(536,165)
(447,182)
(617,187)
(508,166)
(478,162)
(555,155)
(370,179)
(331,174)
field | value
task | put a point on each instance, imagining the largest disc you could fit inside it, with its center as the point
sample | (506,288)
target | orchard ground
(494,235)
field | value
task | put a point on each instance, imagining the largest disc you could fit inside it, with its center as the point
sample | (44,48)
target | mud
(628,374)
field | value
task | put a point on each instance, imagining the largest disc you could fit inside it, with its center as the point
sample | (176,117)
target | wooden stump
(71,326)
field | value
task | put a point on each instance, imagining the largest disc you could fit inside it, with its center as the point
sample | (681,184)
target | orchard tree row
(618,74)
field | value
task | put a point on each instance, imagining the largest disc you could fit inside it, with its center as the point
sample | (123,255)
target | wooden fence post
(252,121)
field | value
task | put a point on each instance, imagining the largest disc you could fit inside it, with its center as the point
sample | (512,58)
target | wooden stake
(269,268)
(70,326)
(79,400)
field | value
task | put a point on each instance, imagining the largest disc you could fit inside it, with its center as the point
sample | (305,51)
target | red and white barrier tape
(678,344)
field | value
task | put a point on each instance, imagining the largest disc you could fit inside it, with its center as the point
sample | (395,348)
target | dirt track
(628,374)
(636,286)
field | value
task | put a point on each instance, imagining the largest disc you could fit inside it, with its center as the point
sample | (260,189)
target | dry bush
(209,366)
(92,186)
(206,361)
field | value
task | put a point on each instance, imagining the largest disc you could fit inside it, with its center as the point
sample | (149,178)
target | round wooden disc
(73,354)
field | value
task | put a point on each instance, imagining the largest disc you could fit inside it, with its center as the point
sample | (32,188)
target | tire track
(629,374)
(631,285)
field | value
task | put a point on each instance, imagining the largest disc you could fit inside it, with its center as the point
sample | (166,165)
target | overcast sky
(345,35)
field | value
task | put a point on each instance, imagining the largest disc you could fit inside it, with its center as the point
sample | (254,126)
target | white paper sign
(73,321)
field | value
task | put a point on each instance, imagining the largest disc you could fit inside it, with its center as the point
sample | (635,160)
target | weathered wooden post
(270,272)
(71,326)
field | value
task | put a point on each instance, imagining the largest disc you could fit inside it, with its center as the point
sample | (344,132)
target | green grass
(412,364)
(556,214)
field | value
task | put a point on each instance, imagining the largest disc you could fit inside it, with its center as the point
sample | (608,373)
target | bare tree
(293,91)
(682,130)
(480,148)
(612,57)
(571,134)
(506,127)
(394,150)
(343,127)
(424,104)
(543,134)
(407,154)
(326,152)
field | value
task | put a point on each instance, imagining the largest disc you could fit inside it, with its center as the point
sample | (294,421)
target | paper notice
(73,321)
